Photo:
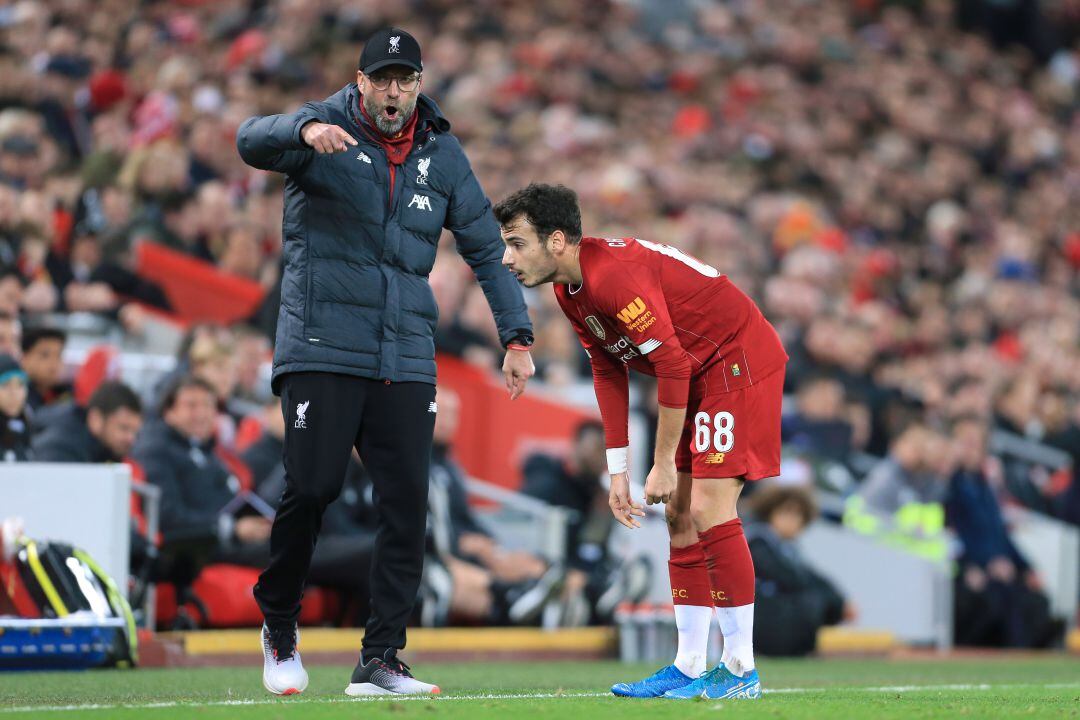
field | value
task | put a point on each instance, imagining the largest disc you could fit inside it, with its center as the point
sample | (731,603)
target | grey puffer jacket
(354,296)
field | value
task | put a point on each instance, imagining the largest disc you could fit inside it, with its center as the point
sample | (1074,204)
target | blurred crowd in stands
(896,183)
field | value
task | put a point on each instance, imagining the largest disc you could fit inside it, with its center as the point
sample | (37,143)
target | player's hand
(660,484)
(326,139)
(622,505)
(517,369)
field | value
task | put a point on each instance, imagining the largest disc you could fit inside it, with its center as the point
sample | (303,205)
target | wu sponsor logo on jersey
(363,156)
(595,326)
(631,311)
(301,415)
(395,43)
(422,167)
(420,202)
(636,316)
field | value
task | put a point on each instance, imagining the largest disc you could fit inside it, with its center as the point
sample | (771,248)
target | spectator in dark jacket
(104,431)
(574,483)
(14,428)
(486,578)
(793,600)
(999,599)
(820,427)
(177,452)
(42,359)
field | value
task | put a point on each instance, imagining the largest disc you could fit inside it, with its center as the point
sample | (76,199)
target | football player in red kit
(719,367)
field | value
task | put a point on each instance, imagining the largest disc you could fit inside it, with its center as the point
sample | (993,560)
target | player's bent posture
(719,367)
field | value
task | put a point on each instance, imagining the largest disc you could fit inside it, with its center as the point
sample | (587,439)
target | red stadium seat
(197,290)
(226,591)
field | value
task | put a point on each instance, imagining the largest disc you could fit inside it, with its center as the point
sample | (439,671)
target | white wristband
(617,460)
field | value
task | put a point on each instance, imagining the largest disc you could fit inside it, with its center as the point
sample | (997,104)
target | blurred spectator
(820,426)
(42,359)
(14,427)
(11,292)
(197,332)
(999,598)
(94,283)
(104,431)
(177,453)
(10,335)
(910,473)
(214,359)
(793,601)
(489,583)
(253,355)
(901,499)
(574,482)
(469,539)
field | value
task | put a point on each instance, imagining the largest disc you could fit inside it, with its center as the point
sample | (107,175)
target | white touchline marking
(511,696)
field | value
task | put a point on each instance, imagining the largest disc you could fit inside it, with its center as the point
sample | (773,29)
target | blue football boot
(720,684)
(663,680)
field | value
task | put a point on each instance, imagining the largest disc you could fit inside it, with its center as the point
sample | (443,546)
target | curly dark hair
(770,498)
(547,208)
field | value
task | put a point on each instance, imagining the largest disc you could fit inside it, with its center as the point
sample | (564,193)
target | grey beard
(389,128)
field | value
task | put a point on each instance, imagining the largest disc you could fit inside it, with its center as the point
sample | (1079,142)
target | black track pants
(390,425)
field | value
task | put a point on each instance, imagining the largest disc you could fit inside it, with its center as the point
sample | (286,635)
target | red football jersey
(657,310)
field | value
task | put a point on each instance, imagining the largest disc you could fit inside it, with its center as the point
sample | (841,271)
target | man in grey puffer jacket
(372,178)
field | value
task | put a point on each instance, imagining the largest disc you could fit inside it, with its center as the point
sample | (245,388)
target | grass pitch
(1002,687)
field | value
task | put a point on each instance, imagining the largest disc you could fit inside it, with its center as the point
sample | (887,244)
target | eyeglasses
(405,84)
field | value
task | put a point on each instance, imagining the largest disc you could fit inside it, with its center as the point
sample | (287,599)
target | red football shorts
(732,426)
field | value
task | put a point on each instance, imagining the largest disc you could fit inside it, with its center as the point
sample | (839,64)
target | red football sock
(689,576)
(731,570)
(690,591)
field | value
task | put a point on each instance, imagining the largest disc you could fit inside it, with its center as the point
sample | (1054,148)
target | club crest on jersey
(595,326)
(420,202)
(395,44)
(735,370)
(422,167)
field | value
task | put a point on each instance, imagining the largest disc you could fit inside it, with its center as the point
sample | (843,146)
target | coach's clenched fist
(326,139)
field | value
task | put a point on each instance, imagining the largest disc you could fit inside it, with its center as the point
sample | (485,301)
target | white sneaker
(386,676)
(283,673)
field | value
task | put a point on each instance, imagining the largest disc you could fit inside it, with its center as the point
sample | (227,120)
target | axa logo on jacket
(420,202)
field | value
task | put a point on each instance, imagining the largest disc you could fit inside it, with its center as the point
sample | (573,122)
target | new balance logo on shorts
(432,407)
(301,412)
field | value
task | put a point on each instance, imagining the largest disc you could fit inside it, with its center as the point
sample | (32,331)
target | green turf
(1047,686)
